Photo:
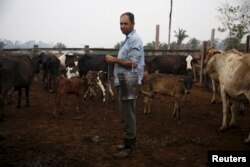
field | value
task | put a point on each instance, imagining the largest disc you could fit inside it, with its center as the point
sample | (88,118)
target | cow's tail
(149,94)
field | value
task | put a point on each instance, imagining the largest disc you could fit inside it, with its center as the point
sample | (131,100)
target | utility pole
(170,20)
(157,41)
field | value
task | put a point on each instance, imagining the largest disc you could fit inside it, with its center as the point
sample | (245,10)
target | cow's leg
(176,112)
(58,109)
(224,109)
(234,108)
(78,103)
(146,104)
(194,72)
(86,93)
(27,96)
(2,114)
(19,97)
(179,101)
(214,91)
(111,91)
(247,140)
(99,83)
(45,79)
(52,83)
(149,105)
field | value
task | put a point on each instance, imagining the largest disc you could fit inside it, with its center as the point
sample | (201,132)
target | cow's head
(188,83)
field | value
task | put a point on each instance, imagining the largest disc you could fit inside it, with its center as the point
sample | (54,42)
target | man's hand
(110,59)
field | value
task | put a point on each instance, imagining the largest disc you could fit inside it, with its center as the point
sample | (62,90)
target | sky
(76,23)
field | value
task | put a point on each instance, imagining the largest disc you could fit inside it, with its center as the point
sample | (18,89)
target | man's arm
(122,62)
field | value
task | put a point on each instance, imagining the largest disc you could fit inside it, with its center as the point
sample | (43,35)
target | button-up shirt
(131,49)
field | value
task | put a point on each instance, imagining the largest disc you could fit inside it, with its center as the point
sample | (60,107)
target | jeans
(128,116)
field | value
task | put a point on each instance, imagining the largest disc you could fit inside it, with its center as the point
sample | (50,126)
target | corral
(35,138)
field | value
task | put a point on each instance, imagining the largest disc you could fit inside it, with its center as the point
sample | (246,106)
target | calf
(77,86)
(167,85)
(50,65)
(97,79)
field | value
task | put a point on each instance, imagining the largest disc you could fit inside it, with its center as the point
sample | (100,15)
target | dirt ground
(88,139)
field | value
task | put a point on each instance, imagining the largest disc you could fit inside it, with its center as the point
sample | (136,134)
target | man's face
(126,25)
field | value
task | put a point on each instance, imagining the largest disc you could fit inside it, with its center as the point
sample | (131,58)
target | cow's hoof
(51,91)
(247,141)
(232,126)
(212,102)
(222,129)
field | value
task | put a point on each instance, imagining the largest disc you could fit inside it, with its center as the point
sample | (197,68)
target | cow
(213,74)
(67,60)
(50,67)
(17,72)
(166,85)
(97,80)
(234,77)
(170,64)
(72,71)
(77,86)
(95,62)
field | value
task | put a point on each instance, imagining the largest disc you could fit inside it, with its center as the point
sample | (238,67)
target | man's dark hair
(130,15)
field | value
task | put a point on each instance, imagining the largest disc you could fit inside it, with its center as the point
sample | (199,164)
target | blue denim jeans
(128,116)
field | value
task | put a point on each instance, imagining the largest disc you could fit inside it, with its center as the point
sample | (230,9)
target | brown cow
(167,85)
(234,77)
(77,86)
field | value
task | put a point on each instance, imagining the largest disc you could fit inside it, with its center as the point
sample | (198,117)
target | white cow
(234,78)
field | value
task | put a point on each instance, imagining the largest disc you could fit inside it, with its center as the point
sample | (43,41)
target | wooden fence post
(35,50)
(203,54)
(86,49)
(248,44)
(157,41)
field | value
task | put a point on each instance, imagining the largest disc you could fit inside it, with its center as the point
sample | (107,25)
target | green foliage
(235,20)
(174,46)
(180,35)
(151,45)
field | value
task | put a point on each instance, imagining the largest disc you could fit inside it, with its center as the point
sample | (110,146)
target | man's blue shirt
(131,49)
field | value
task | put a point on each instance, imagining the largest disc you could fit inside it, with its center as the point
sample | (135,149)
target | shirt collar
(130,34)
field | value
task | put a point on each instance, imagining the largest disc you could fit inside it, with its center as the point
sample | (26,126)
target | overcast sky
(96,22)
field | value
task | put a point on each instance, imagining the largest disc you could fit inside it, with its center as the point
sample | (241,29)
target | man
(130,56)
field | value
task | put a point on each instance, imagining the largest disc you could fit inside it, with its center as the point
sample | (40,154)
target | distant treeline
(8,44)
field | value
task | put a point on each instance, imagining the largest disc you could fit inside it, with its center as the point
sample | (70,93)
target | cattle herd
(171,75)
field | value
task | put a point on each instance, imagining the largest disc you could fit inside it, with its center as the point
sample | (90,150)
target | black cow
(50,67)
(94,62)
(17,72)
(169,64)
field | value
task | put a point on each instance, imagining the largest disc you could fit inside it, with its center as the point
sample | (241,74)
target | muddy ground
(36,139)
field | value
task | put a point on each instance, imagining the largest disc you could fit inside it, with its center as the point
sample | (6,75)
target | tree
(180,35)
(151,45)
(174,45)
(193,43)
(118,45)
(60,45)
(1,44)
(235,20)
